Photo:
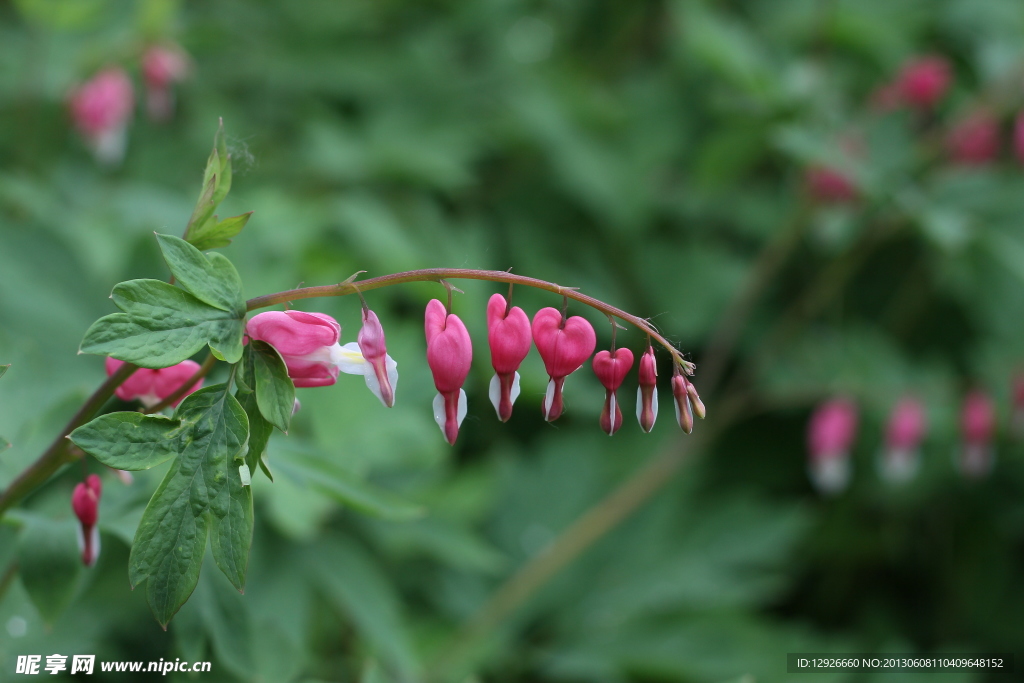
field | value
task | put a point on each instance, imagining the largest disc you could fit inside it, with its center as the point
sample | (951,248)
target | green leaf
(201,495)
(211,279)
(259,431)
(162,325)
(129,440)
(213,234)
(4,368)
(202,214)
(226,620)
(4,444)
(49,564)
(275,392)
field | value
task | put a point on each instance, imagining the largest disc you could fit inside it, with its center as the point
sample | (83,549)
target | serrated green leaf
(162,325)
(49,564)
(129,440)
(200,496)
(213,233)
(211,279)
(275,392)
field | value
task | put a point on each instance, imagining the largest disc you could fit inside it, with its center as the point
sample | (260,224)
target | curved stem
(437,274)
(57,454)
(203,370)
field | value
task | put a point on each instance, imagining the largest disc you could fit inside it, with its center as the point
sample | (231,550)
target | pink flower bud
(151,387)
(975,139)
(647,392)
(101,109)
(1018,137)
(903,436)
(830,435)
(508,335)
(304,340)
(829,185)
(564,346)
(923,81)
(162,66)
(449,355)
(978,422)
(374,350)
(684,411)
(611,368)
(85,501)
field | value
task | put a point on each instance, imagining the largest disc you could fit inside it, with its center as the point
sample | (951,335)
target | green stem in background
(57,454)
(437,274)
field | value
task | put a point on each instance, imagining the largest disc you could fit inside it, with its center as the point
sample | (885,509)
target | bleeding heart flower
(611,368)
(647,392)
(687,402)
(162,66)
(978,422)
(508,335)
(564,345)
(924,81)
(151,387)
(975,139)
(901,456)
(85,501)
(449,355)
(383,374)
(829,185)
(830,435)
(101,109)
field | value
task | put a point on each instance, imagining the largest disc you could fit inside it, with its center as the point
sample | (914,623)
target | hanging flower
(611,368)
(101,109)
(901,455)
(564,345)
(830,434)
(508,335)
(162,67)
(382,375)
(978,423)
(449,355)
(647,392)
(924,81)
(974,140)
(85,501)
(151,387)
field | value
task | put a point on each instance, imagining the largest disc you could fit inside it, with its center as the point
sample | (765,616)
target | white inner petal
(654,406)
(640,405)
(95,538)
(348,358)
(243,474)
(439,411)
(514,394)
(830,474)
(494,393)
(549,396)
(374,384)
(463,406)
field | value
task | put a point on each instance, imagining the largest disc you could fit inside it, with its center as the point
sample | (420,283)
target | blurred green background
(652,153)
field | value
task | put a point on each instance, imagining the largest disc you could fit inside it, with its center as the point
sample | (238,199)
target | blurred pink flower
(978,424)
(101,109)
(151,387)
(923,81)
(162,67)
(974,140)
(85,501)
(830,435)
(906,428)
(829,185)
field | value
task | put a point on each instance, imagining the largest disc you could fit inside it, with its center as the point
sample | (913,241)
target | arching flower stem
(439,274)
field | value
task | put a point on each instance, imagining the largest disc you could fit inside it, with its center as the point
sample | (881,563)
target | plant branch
(437,274)
(57,454)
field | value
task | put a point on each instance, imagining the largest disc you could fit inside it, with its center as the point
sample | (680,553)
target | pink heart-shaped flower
(611,367)
(563,347)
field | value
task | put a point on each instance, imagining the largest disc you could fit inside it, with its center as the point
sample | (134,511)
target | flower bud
(647,392)
(611,368)
(449,355)
(974,140)
(151,387)
(901,455)
(924,81)
(101,109)
(508,335)
(85,501)
(384,374)
(684,410)
(564,346)
(978,423)
(830,435)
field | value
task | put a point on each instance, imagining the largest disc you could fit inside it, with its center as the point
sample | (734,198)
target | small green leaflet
(216,233)
(275,392)
(205,230)
(161,325)
(259,429)
(200,497)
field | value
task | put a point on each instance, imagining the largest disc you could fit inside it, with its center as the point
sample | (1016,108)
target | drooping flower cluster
(309,344)
(833,428)
(85,501)
(151,387)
